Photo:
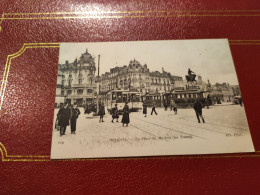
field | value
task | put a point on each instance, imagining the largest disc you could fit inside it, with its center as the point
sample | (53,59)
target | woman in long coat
(75,112)
(101,112)
(125,119)
(144,109)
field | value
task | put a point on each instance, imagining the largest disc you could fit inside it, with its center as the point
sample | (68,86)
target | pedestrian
(75,112)
(240,101)
(125,118)
(207,103)
(57,122)
(115,114)
(172,103)
(153,109)
(144,109)
(64,115)
(173,106)
(87,109)
(165,105)
(198,110)
(101,112)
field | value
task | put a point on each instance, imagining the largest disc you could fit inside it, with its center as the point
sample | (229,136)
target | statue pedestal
(192,87)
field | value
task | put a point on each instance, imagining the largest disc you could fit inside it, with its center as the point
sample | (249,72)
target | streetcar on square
(182,98)
(120,97)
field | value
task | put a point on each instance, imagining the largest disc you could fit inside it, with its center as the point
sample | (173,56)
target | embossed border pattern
(115,14)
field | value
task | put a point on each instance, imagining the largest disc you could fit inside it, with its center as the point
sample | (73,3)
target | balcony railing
(84,85)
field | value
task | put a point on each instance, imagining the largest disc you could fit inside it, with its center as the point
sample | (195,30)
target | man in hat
(64,115)
(73,121)
(198,110)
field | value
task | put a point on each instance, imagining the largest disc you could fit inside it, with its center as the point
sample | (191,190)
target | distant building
(222,92)
(202,85)
(177,82)
(236,90)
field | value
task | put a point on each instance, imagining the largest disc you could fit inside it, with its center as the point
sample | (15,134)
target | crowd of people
(67,115)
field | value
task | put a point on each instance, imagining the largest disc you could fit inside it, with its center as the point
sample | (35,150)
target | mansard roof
(159,74)
(86,57)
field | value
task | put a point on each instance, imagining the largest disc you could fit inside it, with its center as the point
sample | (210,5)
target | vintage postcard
(148,98)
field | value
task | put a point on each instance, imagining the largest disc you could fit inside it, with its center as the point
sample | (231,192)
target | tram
(150,99)
(182,98)
(120,97)
(186,98)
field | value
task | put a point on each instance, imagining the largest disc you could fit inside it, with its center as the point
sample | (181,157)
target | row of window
(79,92)
(79,81)
(159,81)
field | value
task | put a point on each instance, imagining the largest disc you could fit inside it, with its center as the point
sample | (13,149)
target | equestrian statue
(191,78)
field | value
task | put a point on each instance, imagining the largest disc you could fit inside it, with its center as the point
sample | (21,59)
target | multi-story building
(59,99)
(138,77)
(134,77)
(160,81)
(78,79)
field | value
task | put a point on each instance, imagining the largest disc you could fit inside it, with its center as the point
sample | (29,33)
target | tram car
(187,98)
(120,97)
(182,98)
(151,99)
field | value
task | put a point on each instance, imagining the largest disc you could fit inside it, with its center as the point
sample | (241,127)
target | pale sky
(210,58)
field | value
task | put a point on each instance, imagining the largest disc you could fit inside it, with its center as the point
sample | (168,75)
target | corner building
(78,80)
(134,77)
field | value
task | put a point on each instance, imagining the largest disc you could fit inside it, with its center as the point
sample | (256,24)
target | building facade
(160,82)
(139,78)
(59,98)
(78,80)
(134,77)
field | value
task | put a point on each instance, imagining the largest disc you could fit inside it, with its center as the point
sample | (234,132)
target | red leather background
(27,109)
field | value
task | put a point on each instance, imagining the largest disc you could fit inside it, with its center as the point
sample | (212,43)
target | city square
(101,80)
(166,128)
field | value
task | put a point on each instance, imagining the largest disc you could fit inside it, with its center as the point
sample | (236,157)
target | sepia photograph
(148,98)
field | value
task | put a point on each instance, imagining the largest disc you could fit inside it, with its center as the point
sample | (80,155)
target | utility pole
(98,64)
(98,84)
